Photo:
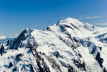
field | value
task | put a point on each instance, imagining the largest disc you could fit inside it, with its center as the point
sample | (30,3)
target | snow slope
(68,46)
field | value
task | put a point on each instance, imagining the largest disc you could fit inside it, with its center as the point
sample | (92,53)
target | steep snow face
(68,46)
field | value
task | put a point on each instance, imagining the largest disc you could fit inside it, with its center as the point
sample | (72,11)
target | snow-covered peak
(73,26)
(70,21)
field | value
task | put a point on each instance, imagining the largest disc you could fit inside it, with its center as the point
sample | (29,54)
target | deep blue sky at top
(18,14)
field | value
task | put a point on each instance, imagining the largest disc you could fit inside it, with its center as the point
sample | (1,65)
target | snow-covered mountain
(68,46)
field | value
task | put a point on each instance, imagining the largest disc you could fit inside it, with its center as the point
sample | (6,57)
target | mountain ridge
(68,46)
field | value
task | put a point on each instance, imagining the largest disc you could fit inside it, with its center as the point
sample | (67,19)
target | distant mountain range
(68,46)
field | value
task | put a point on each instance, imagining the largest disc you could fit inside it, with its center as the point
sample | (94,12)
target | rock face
(68,46)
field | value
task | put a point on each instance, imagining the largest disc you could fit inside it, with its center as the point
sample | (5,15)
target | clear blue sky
(16,14)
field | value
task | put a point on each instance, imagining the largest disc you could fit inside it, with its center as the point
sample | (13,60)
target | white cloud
(2,36)
(102,23)
(94,17)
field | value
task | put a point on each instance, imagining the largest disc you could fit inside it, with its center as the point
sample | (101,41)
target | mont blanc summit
(68,46)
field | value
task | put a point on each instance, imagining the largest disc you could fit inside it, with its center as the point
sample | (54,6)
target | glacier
(70,45)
